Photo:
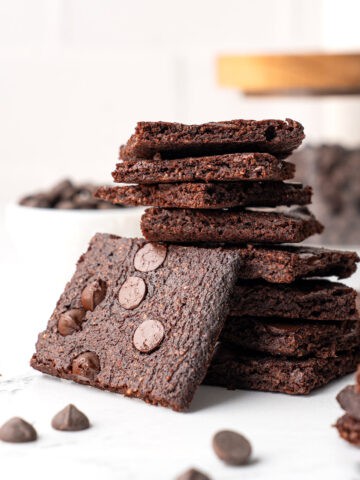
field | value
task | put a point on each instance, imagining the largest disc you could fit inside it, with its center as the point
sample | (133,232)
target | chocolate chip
(150,257)
(148,336)
(70,419)
(93,294)
(349,401)
(231,447)
(16,430)
(132,292)
(65,205)
(193,474)
(70,321)
(86,366)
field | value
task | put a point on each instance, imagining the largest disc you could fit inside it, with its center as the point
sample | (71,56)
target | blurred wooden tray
(279,74)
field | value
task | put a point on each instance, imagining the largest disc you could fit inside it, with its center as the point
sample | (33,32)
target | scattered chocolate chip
(93,294)
(70,321)
(193,474)
(16,430)
(150,257)
(148,336)
(349,401)
(231,447)
(70,419)
(132,292)
(86,366)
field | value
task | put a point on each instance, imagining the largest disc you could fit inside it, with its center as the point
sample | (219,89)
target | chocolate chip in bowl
(67,195)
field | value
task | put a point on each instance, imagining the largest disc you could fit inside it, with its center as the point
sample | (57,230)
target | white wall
(76,75)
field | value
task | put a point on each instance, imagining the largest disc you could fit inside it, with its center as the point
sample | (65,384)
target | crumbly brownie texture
(298,338)
(172,140)
(219,168)
(234,368)
(305,299)
(286,263)
(228,226)
(209,195)
(349,429)
(158,345)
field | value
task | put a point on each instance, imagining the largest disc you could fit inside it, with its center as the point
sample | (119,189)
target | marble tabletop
(292,437)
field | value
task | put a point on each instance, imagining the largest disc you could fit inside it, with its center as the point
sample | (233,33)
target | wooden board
(270,74)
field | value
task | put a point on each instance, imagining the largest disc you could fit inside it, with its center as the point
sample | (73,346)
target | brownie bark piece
(286,263)
(146,319)
(298,338)
(208,195)
(234,368)
(174,140)
(349,429)
(218,168)
(228,226)
(305,299)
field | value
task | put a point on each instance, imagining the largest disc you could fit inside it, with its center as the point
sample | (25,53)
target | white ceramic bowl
(48,242)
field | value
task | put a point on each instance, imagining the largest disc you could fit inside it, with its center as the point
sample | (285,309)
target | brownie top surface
(175,139)
(154,329)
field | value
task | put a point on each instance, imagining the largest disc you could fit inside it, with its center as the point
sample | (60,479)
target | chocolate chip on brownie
(132,292)
(70,321)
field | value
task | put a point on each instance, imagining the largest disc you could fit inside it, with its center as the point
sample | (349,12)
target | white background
(75,76)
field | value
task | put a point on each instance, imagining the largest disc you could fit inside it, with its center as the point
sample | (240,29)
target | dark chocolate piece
(174,140)
(70,419)
(278,337)
(188,292)
(305,299)
(219,168)
(70,321)
(286,263)
(235,368)
(16,430)
(66,195)
(132,292)
(349,400)
(231,447)
(228,226)
(349,429)
(209,195)
(193,474)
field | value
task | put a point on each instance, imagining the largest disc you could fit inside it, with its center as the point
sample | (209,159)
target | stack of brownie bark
(214,292)
(224,184)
